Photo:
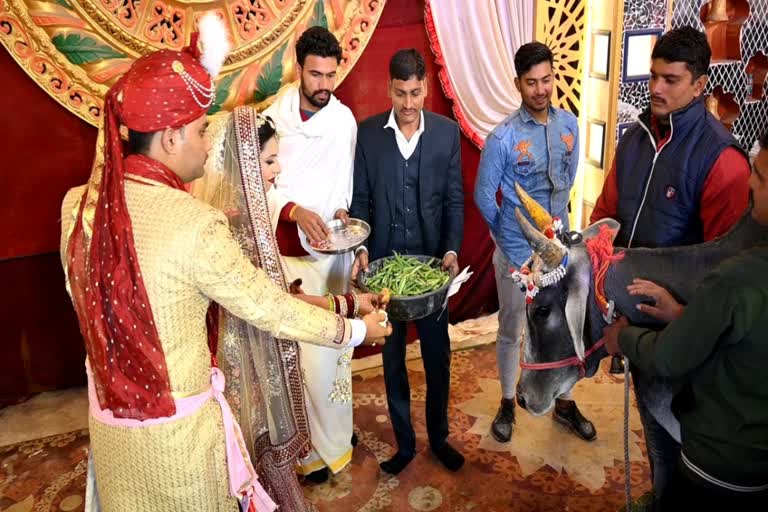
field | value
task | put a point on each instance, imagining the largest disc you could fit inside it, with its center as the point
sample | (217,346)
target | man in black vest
(678,178)
(408,187)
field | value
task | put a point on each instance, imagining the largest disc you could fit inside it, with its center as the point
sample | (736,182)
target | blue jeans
(663,452)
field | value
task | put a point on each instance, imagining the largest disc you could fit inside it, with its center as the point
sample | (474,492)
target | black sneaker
(504,422)
(569,415)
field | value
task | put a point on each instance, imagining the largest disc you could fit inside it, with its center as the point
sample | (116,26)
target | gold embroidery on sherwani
(188,257)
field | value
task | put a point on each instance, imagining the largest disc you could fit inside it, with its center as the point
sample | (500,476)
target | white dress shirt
(407,147)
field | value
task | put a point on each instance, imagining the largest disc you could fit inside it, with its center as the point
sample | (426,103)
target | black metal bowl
(413,307)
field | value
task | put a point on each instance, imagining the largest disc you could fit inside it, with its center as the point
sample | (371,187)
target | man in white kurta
(317,145)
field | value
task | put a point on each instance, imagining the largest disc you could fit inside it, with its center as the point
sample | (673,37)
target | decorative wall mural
(75,49)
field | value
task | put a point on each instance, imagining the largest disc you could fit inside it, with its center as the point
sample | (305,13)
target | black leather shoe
(504,422)
(318,477)
(569,415)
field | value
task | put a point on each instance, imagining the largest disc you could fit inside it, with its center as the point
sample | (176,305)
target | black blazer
(441,191)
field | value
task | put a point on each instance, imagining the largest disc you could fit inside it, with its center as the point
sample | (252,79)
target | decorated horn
(550,252)
(540,216)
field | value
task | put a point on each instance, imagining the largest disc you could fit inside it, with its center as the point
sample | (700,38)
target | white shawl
(317,156)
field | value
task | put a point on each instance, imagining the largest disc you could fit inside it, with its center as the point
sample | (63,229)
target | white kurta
(317,161)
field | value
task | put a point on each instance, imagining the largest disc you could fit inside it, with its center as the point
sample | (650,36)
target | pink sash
(243,482)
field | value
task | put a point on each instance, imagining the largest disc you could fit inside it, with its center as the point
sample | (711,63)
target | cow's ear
(593,230)
(576,306)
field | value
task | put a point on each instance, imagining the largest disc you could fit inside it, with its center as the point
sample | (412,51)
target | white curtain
(476,48)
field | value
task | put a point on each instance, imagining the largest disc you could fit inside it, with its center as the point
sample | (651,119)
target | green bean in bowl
(405,276)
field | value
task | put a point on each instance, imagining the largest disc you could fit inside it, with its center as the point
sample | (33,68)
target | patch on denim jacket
(523,147)
(567,138)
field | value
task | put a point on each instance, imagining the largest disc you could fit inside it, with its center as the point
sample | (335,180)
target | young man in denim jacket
(537,147)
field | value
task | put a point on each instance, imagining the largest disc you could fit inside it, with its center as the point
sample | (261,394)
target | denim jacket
(543,158)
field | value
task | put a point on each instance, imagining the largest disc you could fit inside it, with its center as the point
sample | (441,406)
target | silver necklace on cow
(554,276)
(527,282)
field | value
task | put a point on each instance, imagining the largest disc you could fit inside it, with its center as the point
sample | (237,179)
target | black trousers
(436,356)
(684,494)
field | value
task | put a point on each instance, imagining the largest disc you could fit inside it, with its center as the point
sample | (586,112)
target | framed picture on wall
(595,142)
(601,54)
(638,47)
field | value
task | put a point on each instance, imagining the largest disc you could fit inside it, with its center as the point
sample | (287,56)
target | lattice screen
(729,74)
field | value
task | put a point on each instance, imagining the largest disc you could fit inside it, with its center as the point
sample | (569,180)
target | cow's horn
(550,252)
(540,216)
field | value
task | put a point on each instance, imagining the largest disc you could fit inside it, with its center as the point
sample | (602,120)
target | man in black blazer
(408,187)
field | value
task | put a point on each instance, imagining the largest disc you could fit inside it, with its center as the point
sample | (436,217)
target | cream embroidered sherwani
(188,258)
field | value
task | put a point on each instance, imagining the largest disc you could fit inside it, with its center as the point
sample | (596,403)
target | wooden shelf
(723,20)
(727,109)
(724,62)
(757,67)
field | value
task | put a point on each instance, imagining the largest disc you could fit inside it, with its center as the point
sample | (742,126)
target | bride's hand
(295,287)
(368,303)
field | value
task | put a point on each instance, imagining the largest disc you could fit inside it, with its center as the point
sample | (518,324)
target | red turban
(165,89)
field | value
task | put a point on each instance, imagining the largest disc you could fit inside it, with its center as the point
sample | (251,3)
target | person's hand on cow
(311,224)
(666,308)
(611,335)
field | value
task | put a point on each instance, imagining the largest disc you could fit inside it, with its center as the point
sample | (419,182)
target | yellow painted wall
(599,102)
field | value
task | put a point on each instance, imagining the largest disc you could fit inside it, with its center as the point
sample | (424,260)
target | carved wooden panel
(560,24)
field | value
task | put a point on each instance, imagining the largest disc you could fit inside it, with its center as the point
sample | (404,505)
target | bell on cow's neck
(617,365)
(717,11)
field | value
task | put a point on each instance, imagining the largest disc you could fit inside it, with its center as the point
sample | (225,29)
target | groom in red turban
(144,260)
(161,103)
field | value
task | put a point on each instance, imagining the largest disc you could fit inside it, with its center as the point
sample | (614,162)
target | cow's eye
(541,312)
